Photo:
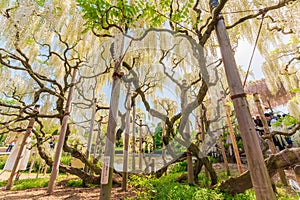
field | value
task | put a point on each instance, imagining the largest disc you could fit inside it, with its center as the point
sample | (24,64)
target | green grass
(23,184)
(74,183)
(28,183)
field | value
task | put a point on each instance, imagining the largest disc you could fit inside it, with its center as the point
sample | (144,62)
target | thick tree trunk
(281,160)
(197,169)
(208,165)
(92,179)
(108,159)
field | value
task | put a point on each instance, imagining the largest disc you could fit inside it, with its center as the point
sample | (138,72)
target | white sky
(242,57)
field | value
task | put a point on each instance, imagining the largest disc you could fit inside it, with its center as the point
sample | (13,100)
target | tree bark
(281,160)
(92,179)
(208,165)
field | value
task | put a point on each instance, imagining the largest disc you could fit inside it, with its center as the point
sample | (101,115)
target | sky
(243,55)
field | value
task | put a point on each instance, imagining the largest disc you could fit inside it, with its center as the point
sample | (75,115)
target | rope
(256,41)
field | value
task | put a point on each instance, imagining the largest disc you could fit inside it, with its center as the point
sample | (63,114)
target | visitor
(259,128)
(259,125)
(51,143)
(277,139)
(11,144)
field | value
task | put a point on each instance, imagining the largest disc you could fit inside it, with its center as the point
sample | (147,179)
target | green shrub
(31,183)
(207,194)
(179,167)
(74,183)
(2,161)
(66,160)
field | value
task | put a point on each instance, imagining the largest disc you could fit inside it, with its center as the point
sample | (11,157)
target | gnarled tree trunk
(281,160)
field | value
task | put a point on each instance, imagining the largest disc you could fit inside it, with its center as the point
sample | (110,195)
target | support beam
(141,146)
(258,171)
(233,140)
(89,144)
(62,135)
(21,152)
(126,142)
(133,135)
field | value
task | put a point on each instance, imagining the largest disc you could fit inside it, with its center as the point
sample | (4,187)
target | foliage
(104,15)
(207,194)
(179,167)
(212,159)
(8,101)
(166,188)
(66,160)
(74,183)
(3,159)
(28,183)
(2,139)
(158,136)
(287,121)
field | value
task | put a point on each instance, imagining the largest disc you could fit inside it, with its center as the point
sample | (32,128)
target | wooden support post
(133,135)
(141,146)
(97,140)
(232,136)
(267,132)
(126,142)
(258,171)
(21,152)
(164,148)
(224,156)
(62,134)
(89,144)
